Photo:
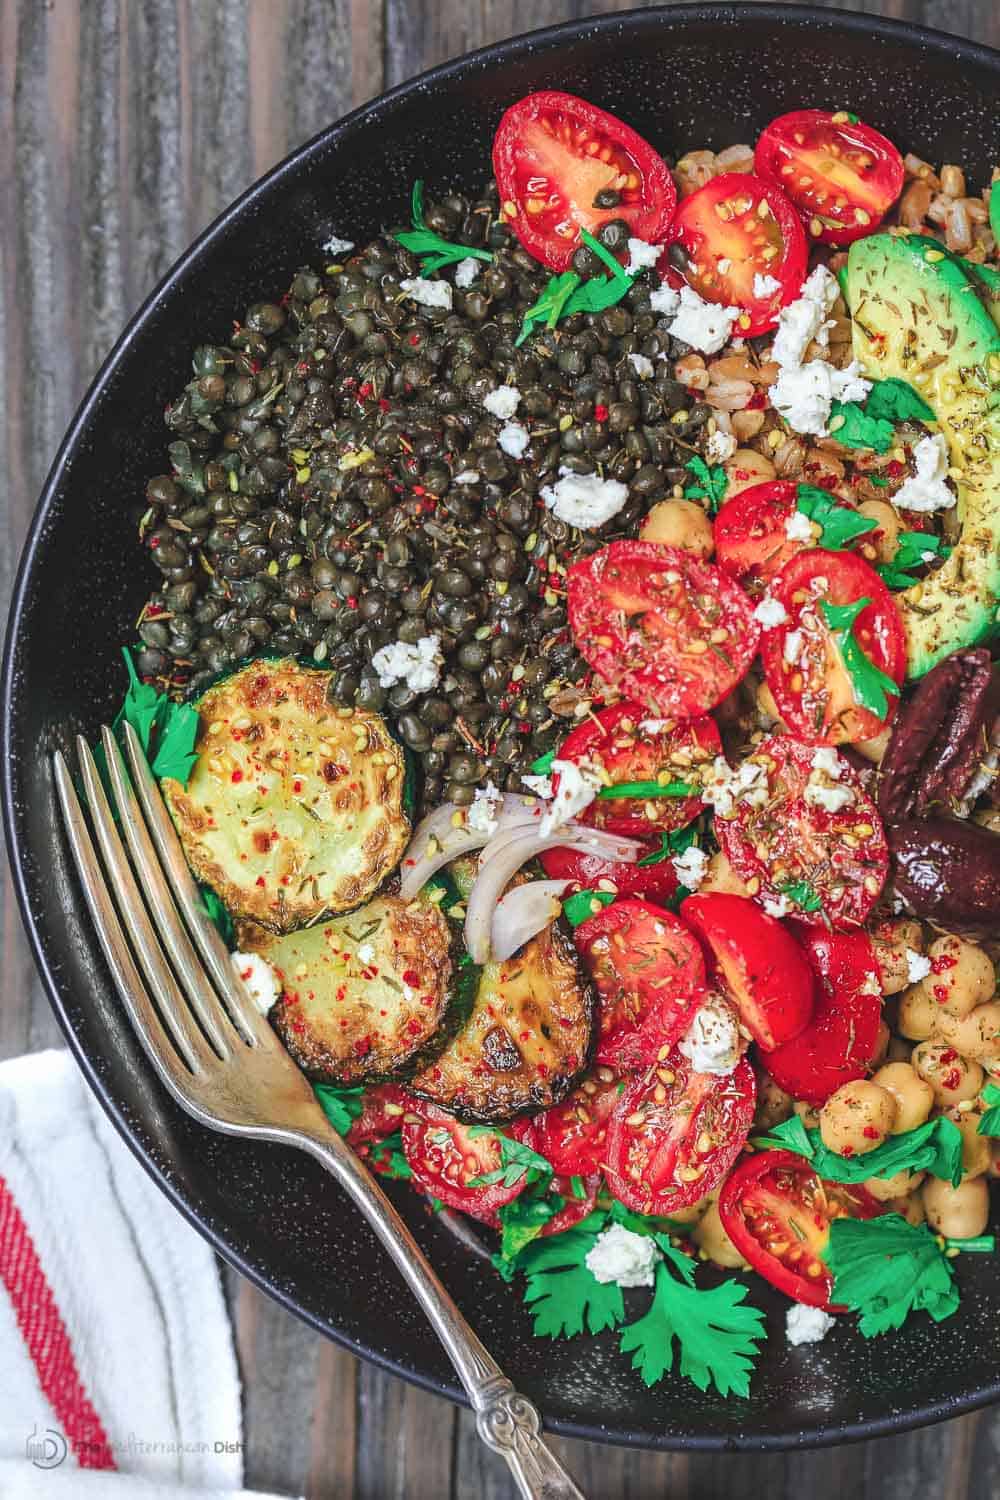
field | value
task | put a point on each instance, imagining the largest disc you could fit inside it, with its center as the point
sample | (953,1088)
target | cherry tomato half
(675,1133)
(777,1213)
(745,247)
(763,969)
(572,1135)
(445,1160)
(553,154)
(840,1041)
(657,882)
(751,542)
(575,1207)
(842,176)
(830,866)
(672,633)
(382,1111)
(650,975)
(814,690)
(626,747)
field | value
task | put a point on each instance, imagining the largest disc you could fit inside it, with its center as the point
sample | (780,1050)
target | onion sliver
(523,912)
(438,832)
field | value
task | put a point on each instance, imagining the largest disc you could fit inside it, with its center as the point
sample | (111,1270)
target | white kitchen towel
(118,1376)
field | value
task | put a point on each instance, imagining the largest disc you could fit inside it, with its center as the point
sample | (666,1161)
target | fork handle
(506,1421)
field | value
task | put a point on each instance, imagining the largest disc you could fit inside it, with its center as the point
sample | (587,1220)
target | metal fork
(222,1062)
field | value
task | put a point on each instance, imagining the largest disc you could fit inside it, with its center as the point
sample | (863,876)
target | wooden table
(125,126)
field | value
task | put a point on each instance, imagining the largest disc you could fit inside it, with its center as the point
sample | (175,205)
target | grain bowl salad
(570,677)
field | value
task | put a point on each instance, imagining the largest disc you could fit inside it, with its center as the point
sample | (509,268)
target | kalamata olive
(948,872)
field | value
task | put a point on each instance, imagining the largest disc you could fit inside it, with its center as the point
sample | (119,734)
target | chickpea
(711,1238)
(720,876)
(883,544)
(975,1035)
(913,1095)
(807,1113)
(951,1076)
(899,1185)
(891,941)
(874,749)
(881,1045)
(857,1117)
(957,1213)
(962,975)
(976,1154)
(693,1212)
(774,1106)
(911,1208)
(917,1013)
(746,467)
(679,523)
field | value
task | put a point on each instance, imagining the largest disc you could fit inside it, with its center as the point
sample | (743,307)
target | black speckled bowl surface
(686,77)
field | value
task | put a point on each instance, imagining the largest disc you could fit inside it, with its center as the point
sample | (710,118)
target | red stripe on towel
(47,1341)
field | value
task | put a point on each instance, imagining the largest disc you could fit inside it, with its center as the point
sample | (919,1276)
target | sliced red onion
(522,913)
(496,872)
(439,833)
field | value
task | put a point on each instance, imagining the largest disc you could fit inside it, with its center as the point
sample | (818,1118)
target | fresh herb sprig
(342,1106)
(517,1162)
(802,893)
(647,789)
(568,293)
(989,1123)
(935,1147)
(677,841)
(584,904)
(710,482)
(873,425)
(166,730)
(915,549)
(434,252)
(885,1269)
(838,524)
(872,686)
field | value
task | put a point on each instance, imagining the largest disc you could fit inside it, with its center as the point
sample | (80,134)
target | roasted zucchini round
(295,807)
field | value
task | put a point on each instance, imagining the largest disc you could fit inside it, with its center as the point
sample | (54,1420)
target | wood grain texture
(125,126)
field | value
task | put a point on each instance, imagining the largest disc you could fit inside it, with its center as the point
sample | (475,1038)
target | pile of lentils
(272,537)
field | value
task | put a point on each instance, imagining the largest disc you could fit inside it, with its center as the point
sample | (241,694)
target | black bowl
(705,75)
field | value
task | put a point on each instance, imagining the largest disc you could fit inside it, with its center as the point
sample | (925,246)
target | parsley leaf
(648,789)
(166,730)
(710,483)
(716,1331)
(839,523)
(850,425)
(893,400)
(580,906)
(551,305)
(177,730)
(870,683)
(434,251)
(388,1158)
(990,1122)
(565,1298)
(216,911)
(804,895)
(523,1220)
(885,1269)
(995,210)
(675,842)
(341,1106)
(910,554)
(188,473)
(935,1147)
(543,765)
(978,1244)
(517,1161)
(568,293)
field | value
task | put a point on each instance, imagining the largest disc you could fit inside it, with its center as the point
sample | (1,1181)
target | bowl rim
(832,20)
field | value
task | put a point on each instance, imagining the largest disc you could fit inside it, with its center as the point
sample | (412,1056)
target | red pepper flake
(365,389)
(383,404)
(418,489)
(940,993)
(302,368)
(894,468)
(260,881)
(236,776)
(411,977)
(363,1046)
(942,963)
(600,412)
(949,1056)
(847,1151)
(413,340)
(757,401)
(296,786)
(870,1133)
(352,601)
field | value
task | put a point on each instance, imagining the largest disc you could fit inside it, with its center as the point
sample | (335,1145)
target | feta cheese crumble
(577,790)
(539,786)
(365,954)
(926,489)
(664,300)
(712,1043)
(765,286)
(691,867)
(807,1325)
(805,321)
(706,326)
(641,255)
(720,447)
(825,758)
(428,293)
(514,439)
(584,500)
(466,271)
(503,402)
(770,613)
(831,798)
(467,476)
(619,1254)
(777,906)
(804,394)
(724,787)
(482,815)
(791,648)
(642,366)
(917,966)
(336,246)
(798,527)
(259,979)
(419,665)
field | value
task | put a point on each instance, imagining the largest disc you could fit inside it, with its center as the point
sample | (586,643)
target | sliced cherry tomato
(382,1111)
(554,153)
(840,1041)
(445,1158)
(625,746)
(777,1213)
(671,632)
(842,176)
(815,691)
(829,867)
(575,1208)
(763,969)
(572,1135)
(745,247)
(650,976)
(751,542)
(675,1133)
(657,882)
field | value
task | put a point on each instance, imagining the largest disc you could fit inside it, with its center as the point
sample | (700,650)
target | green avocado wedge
(918,317)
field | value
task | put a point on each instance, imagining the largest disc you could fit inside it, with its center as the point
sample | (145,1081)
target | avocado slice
(918,317)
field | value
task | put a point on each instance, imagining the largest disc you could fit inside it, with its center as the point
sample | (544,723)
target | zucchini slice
(294,809)
(362,994)
(528,1034)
